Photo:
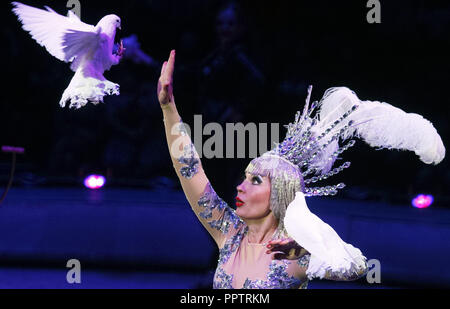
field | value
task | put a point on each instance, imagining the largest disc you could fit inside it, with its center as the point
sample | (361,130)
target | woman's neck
(261,230)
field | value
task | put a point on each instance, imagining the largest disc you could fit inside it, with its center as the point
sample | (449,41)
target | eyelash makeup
(254,179)
(257,179)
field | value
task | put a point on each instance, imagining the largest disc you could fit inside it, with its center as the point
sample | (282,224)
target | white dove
(89,48)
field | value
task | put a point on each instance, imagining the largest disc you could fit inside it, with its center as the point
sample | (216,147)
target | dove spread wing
(66,38)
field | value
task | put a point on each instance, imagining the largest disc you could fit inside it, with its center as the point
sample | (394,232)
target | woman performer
(272,240)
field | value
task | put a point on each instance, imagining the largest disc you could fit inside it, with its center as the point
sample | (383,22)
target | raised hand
(165,82)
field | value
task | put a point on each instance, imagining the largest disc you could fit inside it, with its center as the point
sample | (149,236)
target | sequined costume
(242,264)
(311,147)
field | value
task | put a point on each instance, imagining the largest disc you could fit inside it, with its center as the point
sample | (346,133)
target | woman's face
(253,199)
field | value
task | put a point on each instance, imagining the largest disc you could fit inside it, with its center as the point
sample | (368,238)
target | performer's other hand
(165,82)
(286,249)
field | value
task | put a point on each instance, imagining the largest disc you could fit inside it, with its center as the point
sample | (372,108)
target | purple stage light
(422,201)
(94,182)
(10,149)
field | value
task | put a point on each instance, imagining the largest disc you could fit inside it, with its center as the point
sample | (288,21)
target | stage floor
(16,278)
(130,227)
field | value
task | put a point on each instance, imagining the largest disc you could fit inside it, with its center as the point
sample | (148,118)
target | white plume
(89,48)
(381,125)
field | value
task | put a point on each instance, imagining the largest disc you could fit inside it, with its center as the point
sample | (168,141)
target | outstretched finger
(292,254)
(280,241)
(170,65)
(163,69)
(279,256)
(274,243)
(283,245)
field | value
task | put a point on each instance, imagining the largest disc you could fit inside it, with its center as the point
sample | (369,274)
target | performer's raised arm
(271,199)
(212,212)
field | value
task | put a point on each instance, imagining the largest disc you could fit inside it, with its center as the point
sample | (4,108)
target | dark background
(288,45)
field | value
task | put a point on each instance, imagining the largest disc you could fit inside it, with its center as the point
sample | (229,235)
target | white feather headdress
(312,144)
(382,125)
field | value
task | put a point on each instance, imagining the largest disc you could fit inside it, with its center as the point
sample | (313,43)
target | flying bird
(88,48)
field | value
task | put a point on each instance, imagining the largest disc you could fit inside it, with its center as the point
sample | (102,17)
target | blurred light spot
(422,201)
(94,182)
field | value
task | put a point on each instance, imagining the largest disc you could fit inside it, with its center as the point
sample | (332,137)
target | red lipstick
(239,202)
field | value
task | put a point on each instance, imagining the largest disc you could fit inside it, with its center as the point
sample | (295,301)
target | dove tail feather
(83,89)
(50,9)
